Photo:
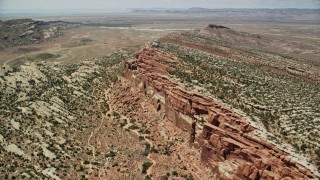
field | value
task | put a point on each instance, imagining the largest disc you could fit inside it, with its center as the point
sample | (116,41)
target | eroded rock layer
(223,136)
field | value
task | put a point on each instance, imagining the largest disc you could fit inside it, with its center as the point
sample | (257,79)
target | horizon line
(153,8)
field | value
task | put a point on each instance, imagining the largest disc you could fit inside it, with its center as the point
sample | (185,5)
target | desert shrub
(124,123)
(317,152)
(115,114)
(132,121)
(165,177)
(111,154)
(133,127)
(45,56)
(153,150)
(303,147)
(175,173)
(147,149)
(85,39)
(146,166)
(217,26)
(86,162)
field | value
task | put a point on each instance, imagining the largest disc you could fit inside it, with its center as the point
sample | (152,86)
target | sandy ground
(134,35)
(103,42)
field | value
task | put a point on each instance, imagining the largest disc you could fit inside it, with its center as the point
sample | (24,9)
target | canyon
(163,98)
(224,137)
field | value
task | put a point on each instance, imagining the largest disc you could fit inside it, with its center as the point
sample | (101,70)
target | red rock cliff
(225,138)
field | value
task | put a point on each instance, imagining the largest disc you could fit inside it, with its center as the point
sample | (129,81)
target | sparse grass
(71,117)
(28,49)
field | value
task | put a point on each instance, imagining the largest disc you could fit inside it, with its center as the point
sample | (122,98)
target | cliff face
(223,136)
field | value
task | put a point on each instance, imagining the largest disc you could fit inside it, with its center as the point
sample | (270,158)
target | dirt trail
(96,131)
(149,171)
(107,97)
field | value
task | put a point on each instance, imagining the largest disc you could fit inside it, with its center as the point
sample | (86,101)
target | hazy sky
(121,4)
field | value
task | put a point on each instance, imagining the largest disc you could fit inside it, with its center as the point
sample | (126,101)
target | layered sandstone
(224,137)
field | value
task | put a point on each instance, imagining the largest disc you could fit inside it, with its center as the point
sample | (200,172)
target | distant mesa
(18,32)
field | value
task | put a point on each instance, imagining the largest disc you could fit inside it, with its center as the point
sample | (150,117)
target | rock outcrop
(20,32)
(223,136)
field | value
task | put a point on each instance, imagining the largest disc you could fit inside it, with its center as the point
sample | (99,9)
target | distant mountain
(200,9)
(158,10)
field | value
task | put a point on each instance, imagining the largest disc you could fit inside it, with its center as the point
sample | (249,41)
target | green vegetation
(124,122)
(39,57)
(111,154)
(18,32)
(146,166)
(132,121)
(86,162)
(116,115)
(133,127)
(284,104)
(175,173)
(165,177)
(71,114)
(187,177)
(44,56)
(85,39)
(141,131)
(147,149)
